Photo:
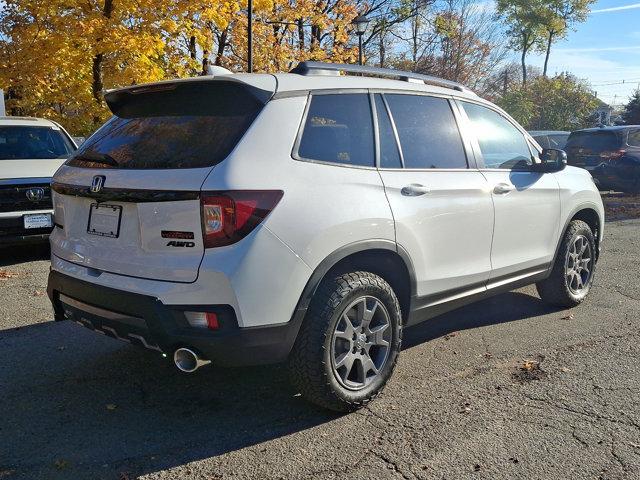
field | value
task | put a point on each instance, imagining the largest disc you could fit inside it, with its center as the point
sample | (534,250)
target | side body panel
(447,232)
(527,221)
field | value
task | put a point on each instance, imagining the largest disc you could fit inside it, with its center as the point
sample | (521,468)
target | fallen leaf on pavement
(38,293)
(529,365)
(4,274)
(567,317)
(111,406)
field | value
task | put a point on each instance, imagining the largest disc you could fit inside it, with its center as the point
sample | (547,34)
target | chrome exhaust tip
(188,361)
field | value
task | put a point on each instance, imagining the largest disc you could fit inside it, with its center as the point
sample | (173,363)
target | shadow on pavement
(23,253)
(79,405)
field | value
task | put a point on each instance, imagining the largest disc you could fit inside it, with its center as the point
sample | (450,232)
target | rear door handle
(503,188)
(415,190)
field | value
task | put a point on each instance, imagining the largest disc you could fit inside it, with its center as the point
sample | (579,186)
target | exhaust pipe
(188,361)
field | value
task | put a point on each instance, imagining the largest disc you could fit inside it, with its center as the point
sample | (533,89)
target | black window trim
(469,141)
(530,141)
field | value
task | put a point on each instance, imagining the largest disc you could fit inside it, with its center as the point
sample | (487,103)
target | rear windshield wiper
(97,157)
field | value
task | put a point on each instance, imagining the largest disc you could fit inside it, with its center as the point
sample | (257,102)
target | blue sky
(605,49)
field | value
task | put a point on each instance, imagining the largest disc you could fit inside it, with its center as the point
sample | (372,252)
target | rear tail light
(229,216)
(614,155)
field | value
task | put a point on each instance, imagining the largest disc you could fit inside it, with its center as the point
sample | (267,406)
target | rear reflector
(229,216)
(203,320)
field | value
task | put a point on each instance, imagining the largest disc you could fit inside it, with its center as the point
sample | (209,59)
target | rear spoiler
(117,98)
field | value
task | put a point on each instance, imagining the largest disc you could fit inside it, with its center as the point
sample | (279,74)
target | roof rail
(322,68)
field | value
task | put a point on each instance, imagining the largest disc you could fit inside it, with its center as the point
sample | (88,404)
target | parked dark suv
(611,154)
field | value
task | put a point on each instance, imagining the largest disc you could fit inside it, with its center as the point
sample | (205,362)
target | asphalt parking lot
(505,388)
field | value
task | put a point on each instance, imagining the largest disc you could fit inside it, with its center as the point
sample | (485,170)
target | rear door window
(428,132)
(339,129)
(389,153)
(186,126)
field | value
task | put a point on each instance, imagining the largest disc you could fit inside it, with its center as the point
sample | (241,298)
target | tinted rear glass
(339,129)
(189,126)
(593,141)
(18,143)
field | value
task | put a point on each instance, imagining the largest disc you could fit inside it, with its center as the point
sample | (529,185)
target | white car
(309,217)
(31,150)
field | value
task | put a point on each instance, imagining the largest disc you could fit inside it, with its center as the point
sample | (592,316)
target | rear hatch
(588,149)
(128,201)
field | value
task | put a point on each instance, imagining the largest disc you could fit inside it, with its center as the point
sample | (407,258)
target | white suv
(31,150)
(309,217)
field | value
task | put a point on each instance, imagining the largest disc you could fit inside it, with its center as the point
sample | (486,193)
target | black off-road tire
(555,289)
(310,366)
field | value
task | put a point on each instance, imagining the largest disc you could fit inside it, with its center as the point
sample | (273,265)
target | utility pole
(505,83)
(250,36)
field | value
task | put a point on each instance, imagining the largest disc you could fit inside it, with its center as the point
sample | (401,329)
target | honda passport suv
(309,217)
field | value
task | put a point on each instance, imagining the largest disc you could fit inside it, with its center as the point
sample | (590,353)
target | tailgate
(128,201)
(146,231)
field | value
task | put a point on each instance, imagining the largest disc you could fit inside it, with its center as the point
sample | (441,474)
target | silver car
(309,218)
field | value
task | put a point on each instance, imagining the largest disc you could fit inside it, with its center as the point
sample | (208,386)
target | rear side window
(19,143)
(184,126)
(634,138)
(428,132)
(339,129)
(502,145)
(593,141)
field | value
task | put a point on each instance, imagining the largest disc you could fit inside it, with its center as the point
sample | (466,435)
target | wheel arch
(588,213)
(382,257)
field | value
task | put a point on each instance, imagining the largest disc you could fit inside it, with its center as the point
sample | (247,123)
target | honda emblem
(97,183)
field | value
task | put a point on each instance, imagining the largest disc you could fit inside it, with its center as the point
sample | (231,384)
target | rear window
(594,141)
(19,143)
(184,126)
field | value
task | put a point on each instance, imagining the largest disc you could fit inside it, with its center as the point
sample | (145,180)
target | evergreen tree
(631,113)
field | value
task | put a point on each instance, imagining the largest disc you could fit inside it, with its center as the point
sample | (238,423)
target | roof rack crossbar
(319,68)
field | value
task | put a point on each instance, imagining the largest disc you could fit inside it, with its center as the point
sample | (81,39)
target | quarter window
(428,132)
(339,129)
(501,143)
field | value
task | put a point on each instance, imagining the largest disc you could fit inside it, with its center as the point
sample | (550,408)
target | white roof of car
(27,122)
(280,83)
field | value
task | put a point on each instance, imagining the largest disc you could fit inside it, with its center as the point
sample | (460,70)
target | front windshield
(19,143)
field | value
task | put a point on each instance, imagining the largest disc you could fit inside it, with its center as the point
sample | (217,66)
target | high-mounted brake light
(229,216)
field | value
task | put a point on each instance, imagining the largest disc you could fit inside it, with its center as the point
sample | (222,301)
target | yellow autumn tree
(58,56)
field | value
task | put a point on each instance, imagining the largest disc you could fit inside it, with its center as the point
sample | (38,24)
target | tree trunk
(523,59)
(546,58)
(97,84)
(382,49)
(192,47)
(222,44)
(301,34)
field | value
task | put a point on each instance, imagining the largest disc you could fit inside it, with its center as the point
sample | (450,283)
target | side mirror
(551,160)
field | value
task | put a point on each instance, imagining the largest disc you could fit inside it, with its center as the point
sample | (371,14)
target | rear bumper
(146,321)
(12,231)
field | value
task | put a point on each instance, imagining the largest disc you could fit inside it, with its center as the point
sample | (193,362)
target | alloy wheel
(579,265)
(360,343)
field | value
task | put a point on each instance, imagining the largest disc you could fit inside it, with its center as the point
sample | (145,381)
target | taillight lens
(615,155)
(229,216)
